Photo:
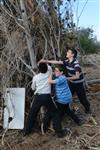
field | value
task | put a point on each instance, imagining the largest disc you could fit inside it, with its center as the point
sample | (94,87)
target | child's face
(69,54)
(57,72)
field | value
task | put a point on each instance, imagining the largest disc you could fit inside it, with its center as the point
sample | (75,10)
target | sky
(90,16)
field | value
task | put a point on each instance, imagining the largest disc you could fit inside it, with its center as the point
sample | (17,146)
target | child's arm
(51,61)
(49,70)
(74,77)
(51,81)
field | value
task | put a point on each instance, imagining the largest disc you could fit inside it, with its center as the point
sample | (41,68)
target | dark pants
(42,100)
(62,110)
(65,109)
(81,93)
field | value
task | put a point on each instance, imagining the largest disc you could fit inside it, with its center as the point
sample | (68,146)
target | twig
(67,138)
(8,145)
(94,137)
(94,148)
(22,27)
(2,141)
(29,67)
(88,125)
(93,120)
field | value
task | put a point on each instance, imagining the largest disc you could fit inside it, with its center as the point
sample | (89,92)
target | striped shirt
(63,93)
(72,68)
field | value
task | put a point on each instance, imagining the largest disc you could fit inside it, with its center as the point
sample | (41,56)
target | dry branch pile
(86,137)
(29,31)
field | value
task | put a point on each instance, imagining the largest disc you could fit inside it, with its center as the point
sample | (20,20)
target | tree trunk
(28,35)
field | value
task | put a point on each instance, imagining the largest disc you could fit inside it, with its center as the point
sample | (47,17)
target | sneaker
(24,133)
(44,128)
(79,123)
(61,134)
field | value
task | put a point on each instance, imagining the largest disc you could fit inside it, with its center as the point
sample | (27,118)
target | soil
(85,137)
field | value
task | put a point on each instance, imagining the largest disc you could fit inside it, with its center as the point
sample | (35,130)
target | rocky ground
(85,137)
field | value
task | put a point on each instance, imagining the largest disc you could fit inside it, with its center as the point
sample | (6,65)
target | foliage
(88,42)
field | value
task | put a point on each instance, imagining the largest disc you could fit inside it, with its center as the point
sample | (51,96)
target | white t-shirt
(40,82)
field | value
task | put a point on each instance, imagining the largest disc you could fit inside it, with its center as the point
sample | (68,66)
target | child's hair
(43,67)
(74,51)
(60,67)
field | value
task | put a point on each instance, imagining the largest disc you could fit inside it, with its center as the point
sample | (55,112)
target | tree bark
(28,35)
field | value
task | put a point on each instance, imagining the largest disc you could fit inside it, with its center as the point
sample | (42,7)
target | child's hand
(50,80)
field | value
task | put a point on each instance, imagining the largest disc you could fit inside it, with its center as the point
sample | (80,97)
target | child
(75,77)
(63,95)
(43,98)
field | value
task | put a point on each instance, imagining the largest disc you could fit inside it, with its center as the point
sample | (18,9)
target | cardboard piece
(14,108)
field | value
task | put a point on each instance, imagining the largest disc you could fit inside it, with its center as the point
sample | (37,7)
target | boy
(75,77)
(63,94)
(42,98)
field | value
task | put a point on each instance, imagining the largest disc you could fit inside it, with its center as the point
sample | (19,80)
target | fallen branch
(94,136)
(88,125)
(97,81)
(94,148)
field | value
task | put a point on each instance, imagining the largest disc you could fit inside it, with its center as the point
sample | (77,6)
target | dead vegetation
(81,138)
(21,46)
(85,137)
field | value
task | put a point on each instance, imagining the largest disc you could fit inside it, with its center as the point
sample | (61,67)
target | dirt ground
(85,137)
